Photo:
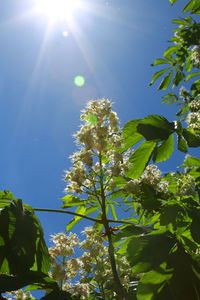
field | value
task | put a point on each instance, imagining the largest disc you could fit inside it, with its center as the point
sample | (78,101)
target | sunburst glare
(58,9)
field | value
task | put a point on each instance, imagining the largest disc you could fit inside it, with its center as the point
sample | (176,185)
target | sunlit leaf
(80,210)
(165,82)
(140,159)
(164,151)
(130,134)
(193,140)
(191,75)
(158,74)
(191,161)
(71,200)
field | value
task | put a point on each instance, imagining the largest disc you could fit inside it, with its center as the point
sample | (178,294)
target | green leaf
(170,51)
(191,75)
(158,74)
(191,161)
(155,127)
(160,61)
(182,145)
(177,78)
(151,283)
(193,140)
(165,82)
(113,211)
(71,200)
(23,246)
(188,65)
(149,251)
(164,151)
(180,22)
(173,1)
(130,135)
(188,6)
(195,232)
(140,159)
(10,283)
(80,210)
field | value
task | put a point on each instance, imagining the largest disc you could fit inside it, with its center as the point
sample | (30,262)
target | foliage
(155,254)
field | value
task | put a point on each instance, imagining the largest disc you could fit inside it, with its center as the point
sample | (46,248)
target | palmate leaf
(140,159)
(158,74)
(22,245)
(82,210)
(164,151)
(71,200)
(166,81)
(147,252)
(189,6)
(191,161)
(130,134)
(191,75)
(155,127)
(193,140)
(10,283)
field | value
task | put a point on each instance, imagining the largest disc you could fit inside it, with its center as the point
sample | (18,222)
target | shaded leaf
(193,140)
(155,127)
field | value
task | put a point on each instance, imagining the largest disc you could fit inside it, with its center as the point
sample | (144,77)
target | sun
(58,9)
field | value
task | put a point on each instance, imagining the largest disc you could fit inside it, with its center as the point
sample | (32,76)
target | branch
(69,213)
(79,215)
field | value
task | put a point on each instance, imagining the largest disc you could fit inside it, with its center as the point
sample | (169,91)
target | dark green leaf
(166,81)
(140,159)
(193,140)
(155,127)
(164,151)
(12,283)
(158,74)
(149,251)
(23,246)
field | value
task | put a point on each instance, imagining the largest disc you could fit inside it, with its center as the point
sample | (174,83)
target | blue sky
(112,45)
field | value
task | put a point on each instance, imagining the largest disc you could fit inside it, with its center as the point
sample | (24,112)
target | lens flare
(79,80)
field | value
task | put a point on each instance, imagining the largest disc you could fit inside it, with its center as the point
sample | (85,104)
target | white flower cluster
(193,118)
(151,176)
(99,158)
(184,94)
(186,185)
(89,272)
(196,56)
(177,34)
(18,295)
